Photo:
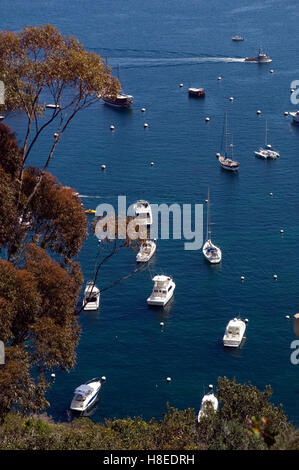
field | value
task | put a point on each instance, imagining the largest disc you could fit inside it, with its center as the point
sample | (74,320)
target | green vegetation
(246,420)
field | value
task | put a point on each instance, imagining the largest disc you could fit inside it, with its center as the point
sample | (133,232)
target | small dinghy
(85,395)
(146,251)
(210,399)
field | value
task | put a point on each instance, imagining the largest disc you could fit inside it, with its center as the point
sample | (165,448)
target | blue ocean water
(159,45)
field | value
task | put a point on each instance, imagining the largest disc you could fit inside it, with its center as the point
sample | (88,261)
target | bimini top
(83,390)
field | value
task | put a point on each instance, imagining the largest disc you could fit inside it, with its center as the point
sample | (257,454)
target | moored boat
(208,400)
(162,291)
(147,250)
(267,152)
(85,395)
(295,116)
(143,212)
(211,252)
(91,300)
(196,92)
(234,333)
(226,162)
(237,38)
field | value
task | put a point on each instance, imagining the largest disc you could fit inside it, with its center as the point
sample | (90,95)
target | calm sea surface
(159,45)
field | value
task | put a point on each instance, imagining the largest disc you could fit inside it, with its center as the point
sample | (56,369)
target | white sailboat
(225,161)
(211,252)
(267,152)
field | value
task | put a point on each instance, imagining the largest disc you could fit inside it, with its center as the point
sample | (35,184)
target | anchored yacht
(85,395)
(211,252)
(91,299)
(225,161)
(143,212)
(267,152)
(162,292)
(210,399)
(237,38)
(234,333)
(146,251)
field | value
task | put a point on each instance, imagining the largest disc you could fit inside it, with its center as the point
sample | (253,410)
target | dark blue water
(159,45)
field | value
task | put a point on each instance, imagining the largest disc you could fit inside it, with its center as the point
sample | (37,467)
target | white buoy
(211,387)
(161,324)
(271,71)
(287,317)
(286,113)
(271,194)
(206,201)
(275,276)
(56,134)
(152,163)
(218,155)
(207,119)
(181,85)
(219,78)
(145,125)
(103,167)
(143,110)
(53,376)
(168,379)
(103,378)
(246,320)
(259,111)
(281,231)
(292,90)
(242,278)
(231,98)
(112,127)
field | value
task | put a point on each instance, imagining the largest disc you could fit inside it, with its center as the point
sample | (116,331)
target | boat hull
(155,301)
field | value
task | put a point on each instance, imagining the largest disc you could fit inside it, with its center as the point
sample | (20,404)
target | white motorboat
(210,399)
(85,395)
(91,299)
(53,106)
(234,333)
(226,162)
(211,252)
(237,38)
(146,251)
(197,92)
(143,212)
(295,116)
(267,152)
(162,292)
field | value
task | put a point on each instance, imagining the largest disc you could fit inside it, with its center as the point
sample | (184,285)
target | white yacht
(85,395)
(295,116)
(234,333)
(163,290)
(237,38)
(208,398)
(52,106)
(211,252)
(267,152)
(225,161)
(91,299)
(146,251)
(143,212)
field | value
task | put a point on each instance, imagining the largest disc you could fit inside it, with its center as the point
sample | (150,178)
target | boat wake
(131,62)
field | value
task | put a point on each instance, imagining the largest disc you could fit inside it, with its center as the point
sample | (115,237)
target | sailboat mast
(226,149)
(208,215)
(266,134)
